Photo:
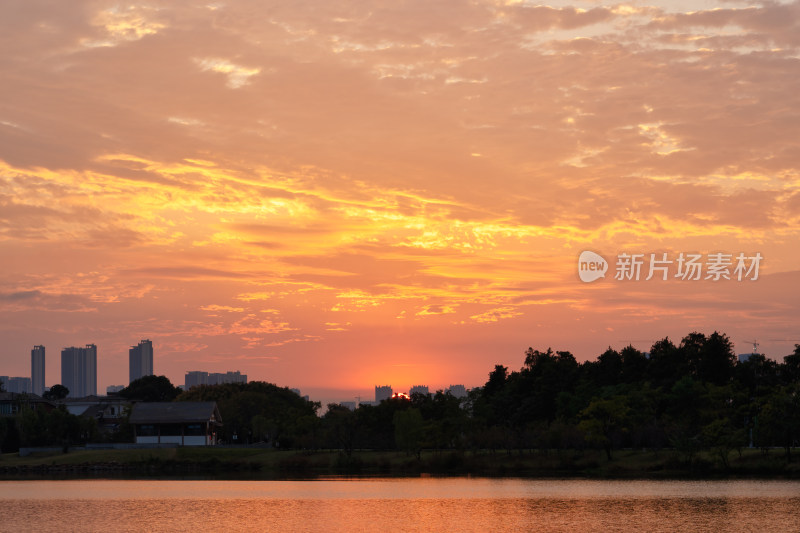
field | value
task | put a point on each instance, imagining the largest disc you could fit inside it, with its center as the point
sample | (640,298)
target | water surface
(400,504)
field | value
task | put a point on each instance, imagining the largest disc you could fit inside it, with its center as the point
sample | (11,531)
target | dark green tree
(277,409)
(667,363)
(779,420)
(56,392)
(790,369)
(634,365)
(716,362)
(603,421)
(151,389)
(409,431)
(340,425)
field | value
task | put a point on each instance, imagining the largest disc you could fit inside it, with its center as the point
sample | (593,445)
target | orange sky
(333,195)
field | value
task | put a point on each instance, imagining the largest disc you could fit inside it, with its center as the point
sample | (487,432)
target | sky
(336,195)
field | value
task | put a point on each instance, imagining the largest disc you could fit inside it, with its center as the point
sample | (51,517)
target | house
(108,411)
(12,402)
(184,423)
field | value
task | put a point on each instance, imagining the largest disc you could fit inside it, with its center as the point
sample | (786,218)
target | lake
(400,505)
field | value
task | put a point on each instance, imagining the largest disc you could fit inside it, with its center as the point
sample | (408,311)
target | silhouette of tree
(56,392)
(603,420)
(634,365)
(151,389)
(790,370)
(240,403)
(716,362)
(779,420)
(667,363)
(409,430)
(341,427)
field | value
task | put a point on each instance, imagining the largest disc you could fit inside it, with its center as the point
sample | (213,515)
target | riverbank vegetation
(277,464)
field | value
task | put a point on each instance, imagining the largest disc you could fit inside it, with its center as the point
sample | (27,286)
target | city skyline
(356,194)
(326,394)
(191,377)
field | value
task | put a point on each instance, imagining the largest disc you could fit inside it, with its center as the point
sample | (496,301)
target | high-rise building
(198,377)
(79,370)
(16,384)
(459,391)
(19,385)
(37,370)
(140,360)
(418,389)
(194,378)
(383,392)
(218,378)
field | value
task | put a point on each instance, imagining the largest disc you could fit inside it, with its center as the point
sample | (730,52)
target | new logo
(591,266)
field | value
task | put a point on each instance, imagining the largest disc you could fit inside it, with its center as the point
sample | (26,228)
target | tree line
(690,396)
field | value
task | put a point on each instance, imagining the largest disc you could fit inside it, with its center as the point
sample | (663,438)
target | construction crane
(755,346)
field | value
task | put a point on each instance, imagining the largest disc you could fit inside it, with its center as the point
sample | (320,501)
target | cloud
(329,169)
(237,75)
(19,295)
(225,308)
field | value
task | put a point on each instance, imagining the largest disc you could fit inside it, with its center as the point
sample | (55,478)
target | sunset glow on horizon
(337,195)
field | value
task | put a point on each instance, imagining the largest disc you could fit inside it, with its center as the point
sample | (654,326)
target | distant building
(459,391)
(18,385)
(113,389)
(305,397)
(79,371)
(349,405)
(383,392)
(140,360)
(744,357)
(183,423)
(418,389)
(216,378)
(37,370)
(194,378)
(369,403)
(199,377)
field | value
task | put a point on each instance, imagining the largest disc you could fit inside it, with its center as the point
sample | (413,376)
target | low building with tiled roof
(184,423)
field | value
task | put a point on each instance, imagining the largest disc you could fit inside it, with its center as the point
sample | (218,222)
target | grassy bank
(277,464)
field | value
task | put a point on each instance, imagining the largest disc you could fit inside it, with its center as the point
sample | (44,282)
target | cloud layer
(346,193)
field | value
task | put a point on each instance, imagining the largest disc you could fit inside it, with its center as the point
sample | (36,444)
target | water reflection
(400,505)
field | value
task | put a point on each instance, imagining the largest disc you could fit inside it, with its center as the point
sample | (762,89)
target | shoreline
(255,463)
